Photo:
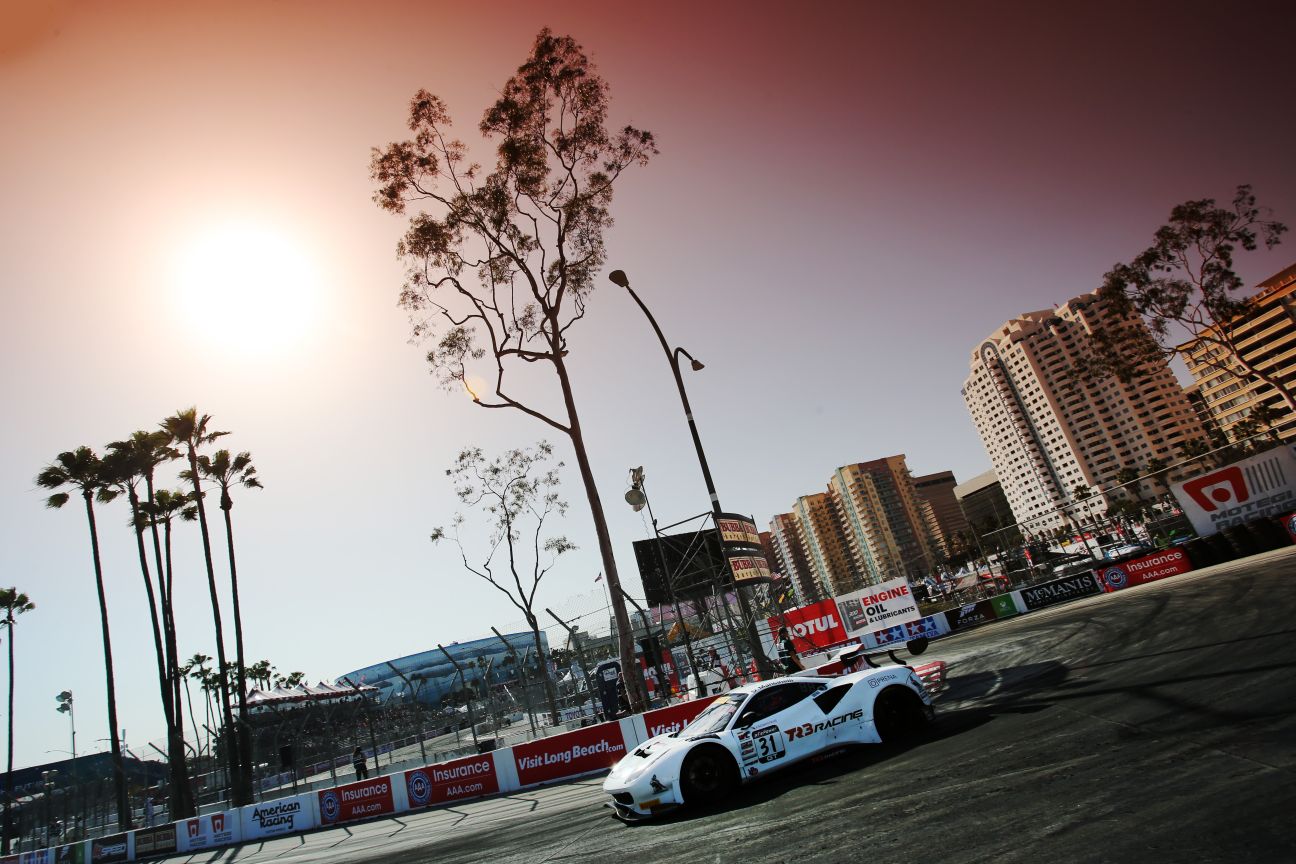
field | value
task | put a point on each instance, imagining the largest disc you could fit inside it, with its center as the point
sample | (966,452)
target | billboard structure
(1260,486)
(694,564)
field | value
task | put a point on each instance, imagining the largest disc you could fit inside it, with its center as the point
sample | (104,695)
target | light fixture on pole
(64,700)
(620,279)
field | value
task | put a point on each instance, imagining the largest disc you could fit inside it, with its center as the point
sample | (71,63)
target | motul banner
(1259,486)
(883,605)
(673,718)
(452,781)
(359,800)
(1149,568)
(282,816)
(813,628)
(209,831)
(578,752)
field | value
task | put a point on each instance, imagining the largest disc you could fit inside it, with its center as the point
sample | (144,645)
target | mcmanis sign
(1060,591)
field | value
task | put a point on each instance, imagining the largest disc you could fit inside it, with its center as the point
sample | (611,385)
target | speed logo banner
(878,606)
(452,781)
(356,801)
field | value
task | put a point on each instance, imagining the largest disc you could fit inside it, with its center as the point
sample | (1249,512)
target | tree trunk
(228,732)
(244,733)
(625,637)
(8,815)
(119,767)
(551,696)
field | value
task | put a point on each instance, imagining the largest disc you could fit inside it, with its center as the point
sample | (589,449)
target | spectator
(358,760)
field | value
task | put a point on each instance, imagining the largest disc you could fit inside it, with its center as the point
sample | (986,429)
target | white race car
(759,728)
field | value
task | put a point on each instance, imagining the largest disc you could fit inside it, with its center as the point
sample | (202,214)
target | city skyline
(847,199)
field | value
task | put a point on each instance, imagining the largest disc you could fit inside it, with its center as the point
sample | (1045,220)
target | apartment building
(790,559)
(1266,339)
(887,525)
(1049,432)
(939,492)
(824,544)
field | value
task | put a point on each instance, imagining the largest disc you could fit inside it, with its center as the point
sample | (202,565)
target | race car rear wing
(856,657)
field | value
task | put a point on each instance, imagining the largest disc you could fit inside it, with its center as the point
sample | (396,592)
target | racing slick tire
(708,775)
(900,715)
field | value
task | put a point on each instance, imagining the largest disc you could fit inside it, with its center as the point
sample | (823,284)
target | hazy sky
(849,197)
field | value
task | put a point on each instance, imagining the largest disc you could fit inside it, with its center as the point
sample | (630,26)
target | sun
(247,289)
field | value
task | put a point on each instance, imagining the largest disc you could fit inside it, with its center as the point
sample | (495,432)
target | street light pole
(618,277)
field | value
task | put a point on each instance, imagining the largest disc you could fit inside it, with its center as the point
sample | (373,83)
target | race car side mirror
(917,646)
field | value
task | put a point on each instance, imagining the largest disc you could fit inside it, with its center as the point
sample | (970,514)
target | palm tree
(124,466)
(14,604)
(227,472)
(79,469)
(190,432)
(260,672)
(196,668)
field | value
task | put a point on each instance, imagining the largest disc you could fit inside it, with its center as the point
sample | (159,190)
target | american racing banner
(812,627)
(452,781)
(1263,485)
(282,816)
(1060,591)
(578,752)
(1149,568)
(359,800)
(883,605)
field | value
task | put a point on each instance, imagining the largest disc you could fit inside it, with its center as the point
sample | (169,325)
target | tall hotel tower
(1049,431)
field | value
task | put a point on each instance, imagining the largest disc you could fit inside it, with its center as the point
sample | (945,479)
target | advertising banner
(155,841)
(812,627)
(749,567)
(1262,485)
(1060,591)
(105,850)
(577,752)
(452,781)
(284,816)
(73,853)
(209,831)
(929,627)
(737,530)
(1149,568)
(883,605)
(673,718)
(359,800)
(1004,607)
(970,615)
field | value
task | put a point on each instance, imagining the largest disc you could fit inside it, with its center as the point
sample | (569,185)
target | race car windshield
(714,718)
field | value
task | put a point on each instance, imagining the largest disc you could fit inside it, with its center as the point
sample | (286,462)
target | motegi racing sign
(452,781)
(1059,591)
(204,832)
(569,754)
(1263,485)
(1149,568)
(883,605)
(813,627)
(356,801)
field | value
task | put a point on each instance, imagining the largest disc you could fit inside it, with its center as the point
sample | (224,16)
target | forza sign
(1260,486)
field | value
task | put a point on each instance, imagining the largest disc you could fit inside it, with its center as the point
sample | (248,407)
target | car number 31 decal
(766,745)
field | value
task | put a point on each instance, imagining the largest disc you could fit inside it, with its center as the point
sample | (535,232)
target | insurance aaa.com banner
(360,800)
(452,781)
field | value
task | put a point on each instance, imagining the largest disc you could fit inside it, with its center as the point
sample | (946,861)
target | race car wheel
(899,714)
(708,775)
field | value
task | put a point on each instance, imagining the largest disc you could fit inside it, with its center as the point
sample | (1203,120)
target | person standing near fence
(358,760)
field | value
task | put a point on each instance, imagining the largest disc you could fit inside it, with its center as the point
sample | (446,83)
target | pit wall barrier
(559,758)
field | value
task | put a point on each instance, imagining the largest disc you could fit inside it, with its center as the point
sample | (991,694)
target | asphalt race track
(1157,724)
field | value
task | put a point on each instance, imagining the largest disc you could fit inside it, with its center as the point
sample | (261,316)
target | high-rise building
(824,544)
(984,504)
(1052,435)
(1266,338)
(790,559)
(886,523)
(939,491)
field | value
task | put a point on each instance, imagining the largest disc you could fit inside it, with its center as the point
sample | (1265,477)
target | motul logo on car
(805,730)
(816,625)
